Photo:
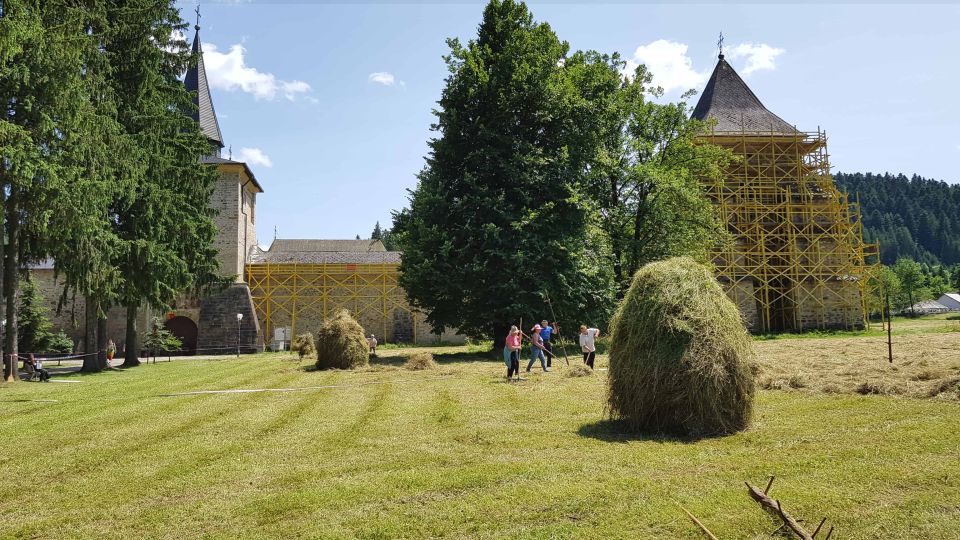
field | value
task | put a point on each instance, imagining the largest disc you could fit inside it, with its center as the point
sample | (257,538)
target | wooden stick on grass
(697,522)
(773,506)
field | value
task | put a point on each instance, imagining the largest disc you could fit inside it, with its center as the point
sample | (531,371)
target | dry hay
(579,370)
(680,357)
(304,345)
(342,343)
(926,365)
(420,361)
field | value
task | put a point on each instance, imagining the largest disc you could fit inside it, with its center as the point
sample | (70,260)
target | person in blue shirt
(546,333)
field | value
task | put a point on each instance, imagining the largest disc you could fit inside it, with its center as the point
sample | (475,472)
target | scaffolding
(299,296)
(795,258)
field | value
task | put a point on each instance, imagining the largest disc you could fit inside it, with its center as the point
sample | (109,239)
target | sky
(330,104)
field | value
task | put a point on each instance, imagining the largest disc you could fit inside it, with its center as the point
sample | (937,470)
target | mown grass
(453,452)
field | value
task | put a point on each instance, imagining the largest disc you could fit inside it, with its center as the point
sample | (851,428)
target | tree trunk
(500,337)
(131,357)
(90,361)
(10,284)
(102,342)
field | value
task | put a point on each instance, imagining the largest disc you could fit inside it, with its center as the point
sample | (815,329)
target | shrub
(341,343)
(420,361)
(579,370)
(61,343)
(680,357)
(304,345)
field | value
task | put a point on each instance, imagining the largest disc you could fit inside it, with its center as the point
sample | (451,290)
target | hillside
(912,217)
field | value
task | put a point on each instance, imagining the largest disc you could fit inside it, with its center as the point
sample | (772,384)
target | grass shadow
(618,431)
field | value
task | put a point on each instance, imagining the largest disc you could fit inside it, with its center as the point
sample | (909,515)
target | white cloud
(254,156)
(759,56)
(667,60)
(384,78)
(229,71)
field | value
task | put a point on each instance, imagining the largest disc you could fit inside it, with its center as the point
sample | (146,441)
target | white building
(951,301)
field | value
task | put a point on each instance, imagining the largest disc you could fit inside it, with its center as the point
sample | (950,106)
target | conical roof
(196,82)
(729,101)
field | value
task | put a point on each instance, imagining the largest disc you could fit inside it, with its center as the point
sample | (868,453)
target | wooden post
(889,331)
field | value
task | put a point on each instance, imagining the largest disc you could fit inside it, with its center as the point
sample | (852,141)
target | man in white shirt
(588,344)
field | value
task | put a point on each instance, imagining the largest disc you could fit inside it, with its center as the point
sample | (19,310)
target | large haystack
(680,357)
(341,343)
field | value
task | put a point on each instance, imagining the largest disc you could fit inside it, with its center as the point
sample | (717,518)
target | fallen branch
(773,506)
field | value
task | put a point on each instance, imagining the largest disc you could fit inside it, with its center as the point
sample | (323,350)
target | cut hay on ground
(341,343)
(579,370)
(420,361)
(680,357)
(304,345)
(923,366)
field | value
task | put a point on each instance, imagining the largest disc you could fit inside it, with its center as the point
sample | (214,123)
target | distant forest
(911,217)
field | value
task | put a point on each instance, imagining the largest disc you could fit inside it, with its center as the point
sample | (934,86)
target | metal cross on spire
(720,45)
(197,11)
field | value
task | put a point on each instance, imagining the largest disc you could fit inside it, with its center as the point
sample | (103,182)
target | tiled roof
(729,101)
(216,160)
(311,245)
(274,256)
(196,82)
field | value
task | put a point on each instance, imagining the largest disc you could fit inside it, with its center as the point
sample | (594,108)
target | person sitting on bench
(34,368)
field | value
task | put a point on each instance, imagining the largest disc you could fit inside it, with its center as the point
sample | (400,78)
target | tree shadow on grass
(618,431)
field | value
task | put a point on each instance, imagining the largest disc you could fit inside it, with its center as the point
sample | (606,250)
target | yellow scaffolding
(304,294)
(796,258)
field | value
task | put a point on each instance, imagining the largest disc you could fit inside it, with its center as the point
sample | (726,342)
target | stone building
(796,259)
(289,288)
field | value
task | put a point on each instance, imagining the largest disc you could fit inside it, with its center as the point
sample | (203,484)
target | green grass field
(454,452)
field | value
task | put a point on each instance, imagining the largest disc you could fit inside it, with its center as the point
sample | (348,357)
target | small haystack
(680,357)
(341,343)
(420,361)
(304,345)
(579,370)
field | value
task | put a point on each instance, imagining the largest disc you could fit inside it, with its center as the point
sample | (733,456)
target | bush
(341,343)
(579,370)
(420,361)
(304,345)
(680,357)
(61,343)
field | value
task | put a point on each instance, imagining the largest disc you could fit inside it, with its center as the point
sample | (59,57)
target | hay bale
(341,343)
(579,370)
(420,361)
(304,345)
(680,357)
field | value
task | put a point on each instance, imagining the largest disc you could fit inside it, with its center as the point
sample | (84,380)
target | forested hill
(910,217)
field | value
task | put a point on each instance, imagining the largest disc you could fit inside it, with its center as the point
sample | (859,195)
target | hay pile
(341,343)
(304,346)
(420,361)
(579,370)
(680,357)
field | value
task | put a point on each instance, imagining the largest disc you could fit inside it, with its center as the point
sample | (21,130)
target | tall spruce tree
(495,223)
(56,133)
(163,221)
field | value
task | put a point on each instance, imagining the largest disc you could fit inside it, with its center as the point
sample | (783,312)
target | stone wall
(218,329)
(226,201)
(832,304)
(742,295)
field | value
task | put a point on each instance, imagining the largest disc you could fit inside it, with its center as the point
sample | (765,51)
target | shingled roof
(196,82)
(325,252)
(729,101)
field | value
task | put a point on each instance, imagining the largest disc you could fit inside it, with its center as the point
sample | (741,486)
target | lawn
(452,452)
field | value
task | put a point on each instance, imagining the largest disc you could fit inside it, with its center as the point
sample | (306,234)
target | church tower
(796,259)
(215,321)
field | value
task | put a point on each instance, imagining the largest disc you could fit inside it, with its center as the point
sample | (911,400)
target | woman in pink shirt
(511,352)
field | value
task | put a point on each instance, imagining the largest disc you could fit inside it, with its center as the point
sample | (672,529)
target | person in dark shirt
(546,333)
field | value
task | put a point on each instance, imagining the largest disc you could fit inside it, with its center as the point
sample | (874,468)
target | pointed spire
(196,82)
(735,107)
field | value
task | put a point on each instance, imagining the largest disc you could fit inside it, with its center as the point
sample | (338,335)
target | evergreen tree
(35,332)
(955,278)
(377,233)
(495,223)
(163,220)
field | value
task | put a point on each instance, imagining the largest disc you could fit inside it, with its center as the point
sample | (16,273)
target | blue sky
(330,103)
